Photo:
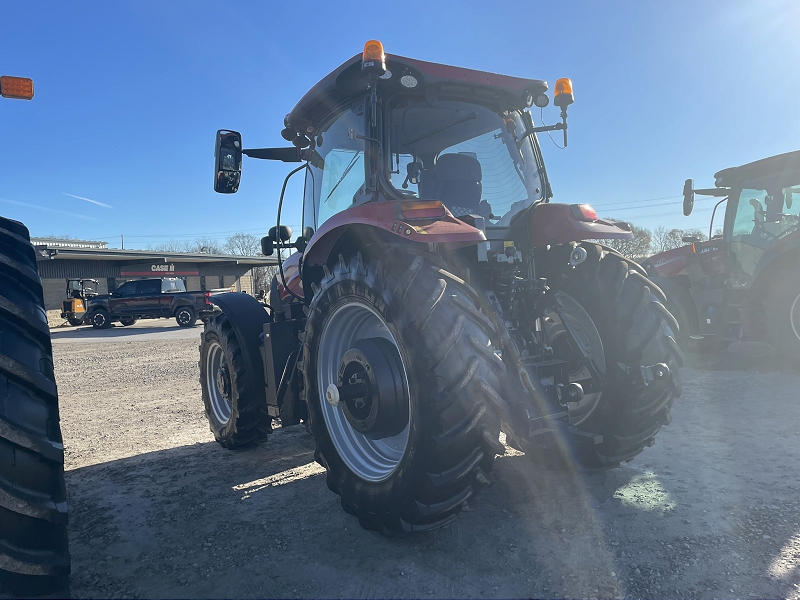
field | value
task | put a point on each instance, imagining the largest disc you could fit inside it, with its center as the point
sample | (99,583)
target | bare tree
(636,248)
(206,245)
(664,239)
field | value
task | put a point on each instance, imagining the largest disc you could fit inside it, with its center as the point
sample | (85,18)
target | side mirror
(688,197)
(280,233)
(691,239)
(228,161)
(266,246)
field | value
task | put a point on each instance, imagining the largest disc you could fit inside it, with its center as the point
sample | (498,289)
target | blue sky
(129,95)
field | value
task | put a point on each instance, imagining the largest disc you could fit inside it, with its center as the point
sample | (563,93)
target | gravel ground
(158,509)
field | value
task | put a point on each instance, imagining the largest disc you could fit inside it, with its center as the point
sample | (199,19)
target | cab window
(126,289)
(149,287)
(336,169)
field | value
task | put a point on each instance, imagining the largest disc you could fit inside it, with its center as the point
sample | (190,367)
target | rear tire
(783,320)
(34,553)
(237,414)
(185,316)
(127,321)
(100,319)
(636,330)
(75,321)
(422,477)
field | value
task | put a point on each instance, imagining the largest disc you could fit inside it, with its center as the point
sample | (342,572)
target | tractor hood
(435,80)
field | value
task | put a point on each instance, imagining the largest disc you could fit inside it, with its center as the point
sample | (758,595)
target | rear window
(172,285)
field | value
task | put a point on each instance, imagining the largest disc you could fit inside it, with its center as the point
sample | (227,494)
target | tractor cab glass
(469,157)
(336,171)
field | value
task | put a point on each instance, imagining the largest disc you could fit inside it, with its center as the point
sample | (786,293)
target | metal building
(59,260)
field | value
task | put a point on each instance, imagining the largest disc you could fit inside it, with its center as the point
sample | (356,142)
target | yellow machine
(74,307)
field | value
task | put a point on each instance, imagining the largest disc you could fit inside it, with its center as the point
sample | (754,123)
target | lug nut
(332,395)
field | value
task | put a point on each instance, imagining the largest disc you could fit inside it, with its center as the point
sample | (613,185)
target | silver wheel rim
(183,317)
(215,361)
(794,318)
(371,460)
(579,412)
(100,319)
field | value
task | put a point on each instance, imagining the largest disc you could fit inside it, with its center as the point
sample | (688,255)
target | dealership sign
(158,270)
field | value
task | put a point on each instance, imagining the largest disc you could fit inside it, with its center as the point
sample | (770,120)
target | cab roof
(787,164)
(435,80)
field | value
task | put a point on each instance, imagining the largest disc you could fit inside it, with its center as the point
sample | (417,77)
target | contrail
(45,208)
(88,200)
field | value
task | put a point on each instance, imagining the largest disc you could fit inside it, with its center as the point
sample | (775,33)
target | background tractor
(435,298)
(745,284)
(74,307)
(34,552)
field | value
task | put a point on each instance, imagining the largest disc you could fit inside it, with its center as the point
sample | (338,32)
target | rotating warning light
(373,59)
(563,94)
(20,88)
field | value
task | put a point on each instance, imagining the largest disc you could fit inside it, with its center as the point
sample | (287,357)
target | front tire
(783,320)
(237,414)
(185,316)
(34,553)
(636,330)
(100,319)
(416,468)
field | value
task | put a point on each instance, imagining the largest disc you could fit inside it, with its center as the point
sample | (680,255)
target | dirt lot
(159,510)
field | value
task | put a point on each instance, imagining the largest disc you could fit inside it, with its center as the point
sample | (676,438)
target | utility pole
(122,240)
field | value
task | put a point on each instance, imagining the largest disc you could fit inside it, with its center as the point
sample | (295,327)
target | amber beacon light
(373,58)
(20,88)
(563,93)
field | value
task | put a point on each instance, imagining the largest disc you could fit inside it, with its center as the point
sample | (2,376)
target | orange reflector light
(563,94)
(373,57)
(583,212)
(20,88)
(422,210)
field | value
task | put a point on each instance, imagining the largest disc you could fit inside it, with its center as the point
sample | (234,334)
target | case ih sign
(158,270)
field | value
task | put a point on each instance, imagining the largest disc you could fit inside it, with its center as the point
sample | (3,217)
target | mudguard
(556,224)
(247,317)
(778,252)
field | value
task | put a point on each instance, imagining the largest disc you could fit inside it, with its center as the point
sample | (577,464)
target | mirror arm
(291,154)
(716,192)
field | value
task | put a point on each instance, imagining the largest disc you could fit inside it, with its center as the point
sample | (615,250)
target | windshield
(764,216)
(466,155)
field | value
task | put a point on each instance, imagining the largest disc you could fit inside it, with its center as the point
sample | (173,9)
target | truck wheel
(236,414)
(127,321)
(75,321)
(100,319)
(402,387)
(185,316)
(636,330)
(34,554)
(783,320)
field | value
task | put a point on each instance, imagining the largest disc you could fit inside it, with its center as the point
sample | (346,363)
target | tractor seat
(455,180)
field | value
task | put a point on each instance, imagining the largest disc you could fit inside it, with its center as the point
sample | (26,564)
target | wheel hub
(224,382)
(371,390)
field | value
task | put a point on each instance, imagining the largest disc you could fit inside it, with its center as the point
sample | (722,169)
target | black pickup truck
(148,299)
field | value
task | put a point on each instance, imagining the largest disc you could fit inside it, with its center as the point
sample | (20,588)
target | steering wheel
(758,218)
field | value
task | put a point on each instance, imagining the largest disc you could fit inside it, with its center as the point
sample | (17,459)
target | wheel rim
(183,317)
(99,319)
(218,382)
(373,460)
(557,337)
(794,317)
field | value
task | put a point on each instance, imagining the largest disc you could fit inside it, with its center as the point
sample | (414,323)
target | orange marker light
(563,93)
(373,58)
(20,88)
(422,210)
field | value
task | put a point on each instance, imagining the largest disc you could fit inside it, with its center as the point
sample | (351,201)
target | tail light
(583,212)
(422,210)
(208,296)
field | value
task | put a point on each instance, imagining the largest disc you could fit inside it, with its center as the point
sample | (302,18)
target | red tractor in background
(435,298)
(744,284)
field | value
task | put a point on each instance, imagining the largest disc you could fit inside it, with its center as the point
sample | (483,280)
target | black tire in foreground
(34,554)
(783,320)
(100,319)
(417,444)
(636,330)
(237,414)
(185,316)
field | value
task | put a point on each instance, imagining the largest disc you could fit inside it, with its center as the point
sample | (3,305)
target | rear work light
(422,210)
(20,88)
(583,212)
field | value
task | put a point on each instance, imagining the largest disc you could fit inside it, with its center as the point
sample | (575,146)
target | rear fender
(387,217)
(553,224)
(247,318)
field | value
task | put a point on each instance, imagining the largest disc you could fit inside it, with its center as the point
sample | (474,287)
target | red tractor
(435,298)
(743,284)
